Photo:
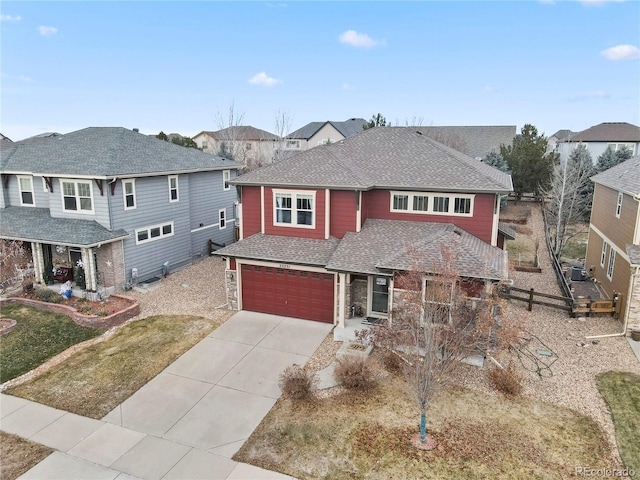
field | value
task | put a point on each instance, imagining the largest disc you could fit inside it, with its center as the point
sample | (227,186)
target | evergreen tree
(529,161)
(495,160)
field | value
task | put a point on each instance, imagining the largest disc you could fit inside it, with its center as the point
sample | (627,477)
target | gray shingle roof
(624,177)
(381,246)
(634,254)
(507,231)
(240,132)
(347,128)
(105,152)
(394,245)
(291,250)
(37,225)
(562,135)
(608,132)
(383,157)
(475,141)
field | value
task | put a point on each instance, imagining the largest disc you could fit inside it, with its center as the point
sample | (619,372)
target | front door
(380,295)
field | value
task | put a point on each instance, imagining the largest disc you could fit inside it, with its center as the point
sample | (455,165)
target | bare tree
(567,197)
(282,126)
(229,135)
(12,254)
(433,327)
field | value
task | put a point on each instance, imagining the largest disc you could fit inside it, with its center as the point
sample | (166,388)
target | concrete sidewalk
(185,423)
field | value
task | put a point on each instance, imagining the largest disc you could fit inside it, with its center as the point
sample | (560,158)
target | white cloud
(355,39)
(10,18)
(25,79)
(489,89)
(263,79)
(598,2)
(581,97)
(346,86)
(47,31)
(621,52)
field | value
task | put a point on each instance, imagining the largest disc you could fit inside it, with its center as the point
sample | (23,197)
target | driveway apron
(190,419)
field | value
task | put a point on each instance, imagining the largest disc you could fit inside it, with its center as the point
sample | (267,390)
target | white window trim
(619,204)
(294,208)
(612,259)
(222,218)
(177,199)
(452,198)
(77,182)
(33,194)
(226,176)
(148,229)
(132,181)
(603,255)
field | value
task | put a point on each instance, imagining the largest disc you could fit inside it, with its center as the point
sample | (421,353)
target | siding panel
(343,212)
(251,211)
(619,230)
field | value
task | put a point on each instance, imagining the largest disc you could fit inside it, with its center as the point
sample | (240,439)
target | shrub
(507,381)
(296,383)
(46,295)
(392,362)
(27,286)
(353,373)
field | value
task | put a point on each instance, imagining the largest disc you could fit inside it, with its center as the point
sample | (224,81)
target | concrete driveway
(185,423)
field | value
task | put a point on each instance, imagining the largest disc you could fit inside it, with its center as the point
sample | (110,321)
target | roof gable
(608,132)
(624,177)
(383,157)
(347,129)
(245,133)
(106,152)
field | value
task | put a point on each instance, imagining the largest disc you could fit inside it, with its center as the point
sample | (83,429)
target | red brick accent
(95,321)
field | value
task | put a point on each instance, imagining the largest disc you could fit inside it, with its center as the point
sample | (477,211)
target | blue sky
(178,66)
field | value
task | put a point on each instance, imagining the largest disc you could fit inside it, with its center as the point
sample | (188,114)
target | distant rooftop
(608,132)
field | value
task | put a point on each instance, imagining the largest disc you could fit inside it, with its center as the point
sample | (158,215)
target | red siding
(378,205)
(343,212)
(251,211)
(232,264)
(271,229)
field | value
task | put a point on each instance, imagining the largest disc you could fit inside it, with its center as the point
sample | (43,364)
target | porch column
(38,262)
(342,290)
(89,264)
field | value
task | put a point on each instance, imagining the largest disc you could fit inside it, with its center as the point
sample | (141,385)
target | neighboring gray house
(474,141)
(322,133)
(598,138)
(560,136)
(121,202)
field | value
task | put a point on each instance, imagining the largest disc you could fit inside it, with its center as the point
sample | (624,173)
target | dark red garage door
(291,293)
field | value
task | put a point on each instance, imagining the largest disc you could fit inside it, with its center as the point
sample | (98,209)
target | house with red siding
(332,227)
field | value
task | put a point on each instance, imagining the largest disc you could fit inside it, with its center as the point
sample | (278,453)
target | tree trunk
(423,425)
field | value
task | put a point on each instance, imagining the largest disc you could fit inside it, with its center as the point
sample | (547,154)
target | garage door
(291,293)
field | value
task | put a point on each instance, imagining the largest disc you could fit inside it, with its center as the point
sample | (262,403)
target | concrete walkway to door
(185,423)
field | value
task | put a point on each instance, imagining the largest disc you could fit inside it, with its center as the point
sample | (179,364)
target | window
(174,195)
(441,204)
(619,146)
(619,204)
(380,295)
(462,205)
(603,255)
(129,193)
(293,144)
(401,202)
(26,191)
(155,232)
(432,203)
(612,258)
(420,203)
(247,146)
(222,218)
(205,145)
(226,176)
(294,209)
(77,196)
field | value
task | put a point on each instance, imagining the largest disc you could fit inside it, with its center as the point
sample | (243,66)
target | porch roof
(386,245)
(273,248)
(37,225)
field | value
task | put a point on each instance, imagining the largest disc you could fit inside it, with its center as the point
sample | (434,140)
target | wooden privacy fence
(581,306)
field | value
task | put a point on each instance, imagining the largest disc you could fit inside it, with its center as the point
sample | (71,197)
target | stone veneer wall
(358,293)
(109,321)
(633,320)
(231,280)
